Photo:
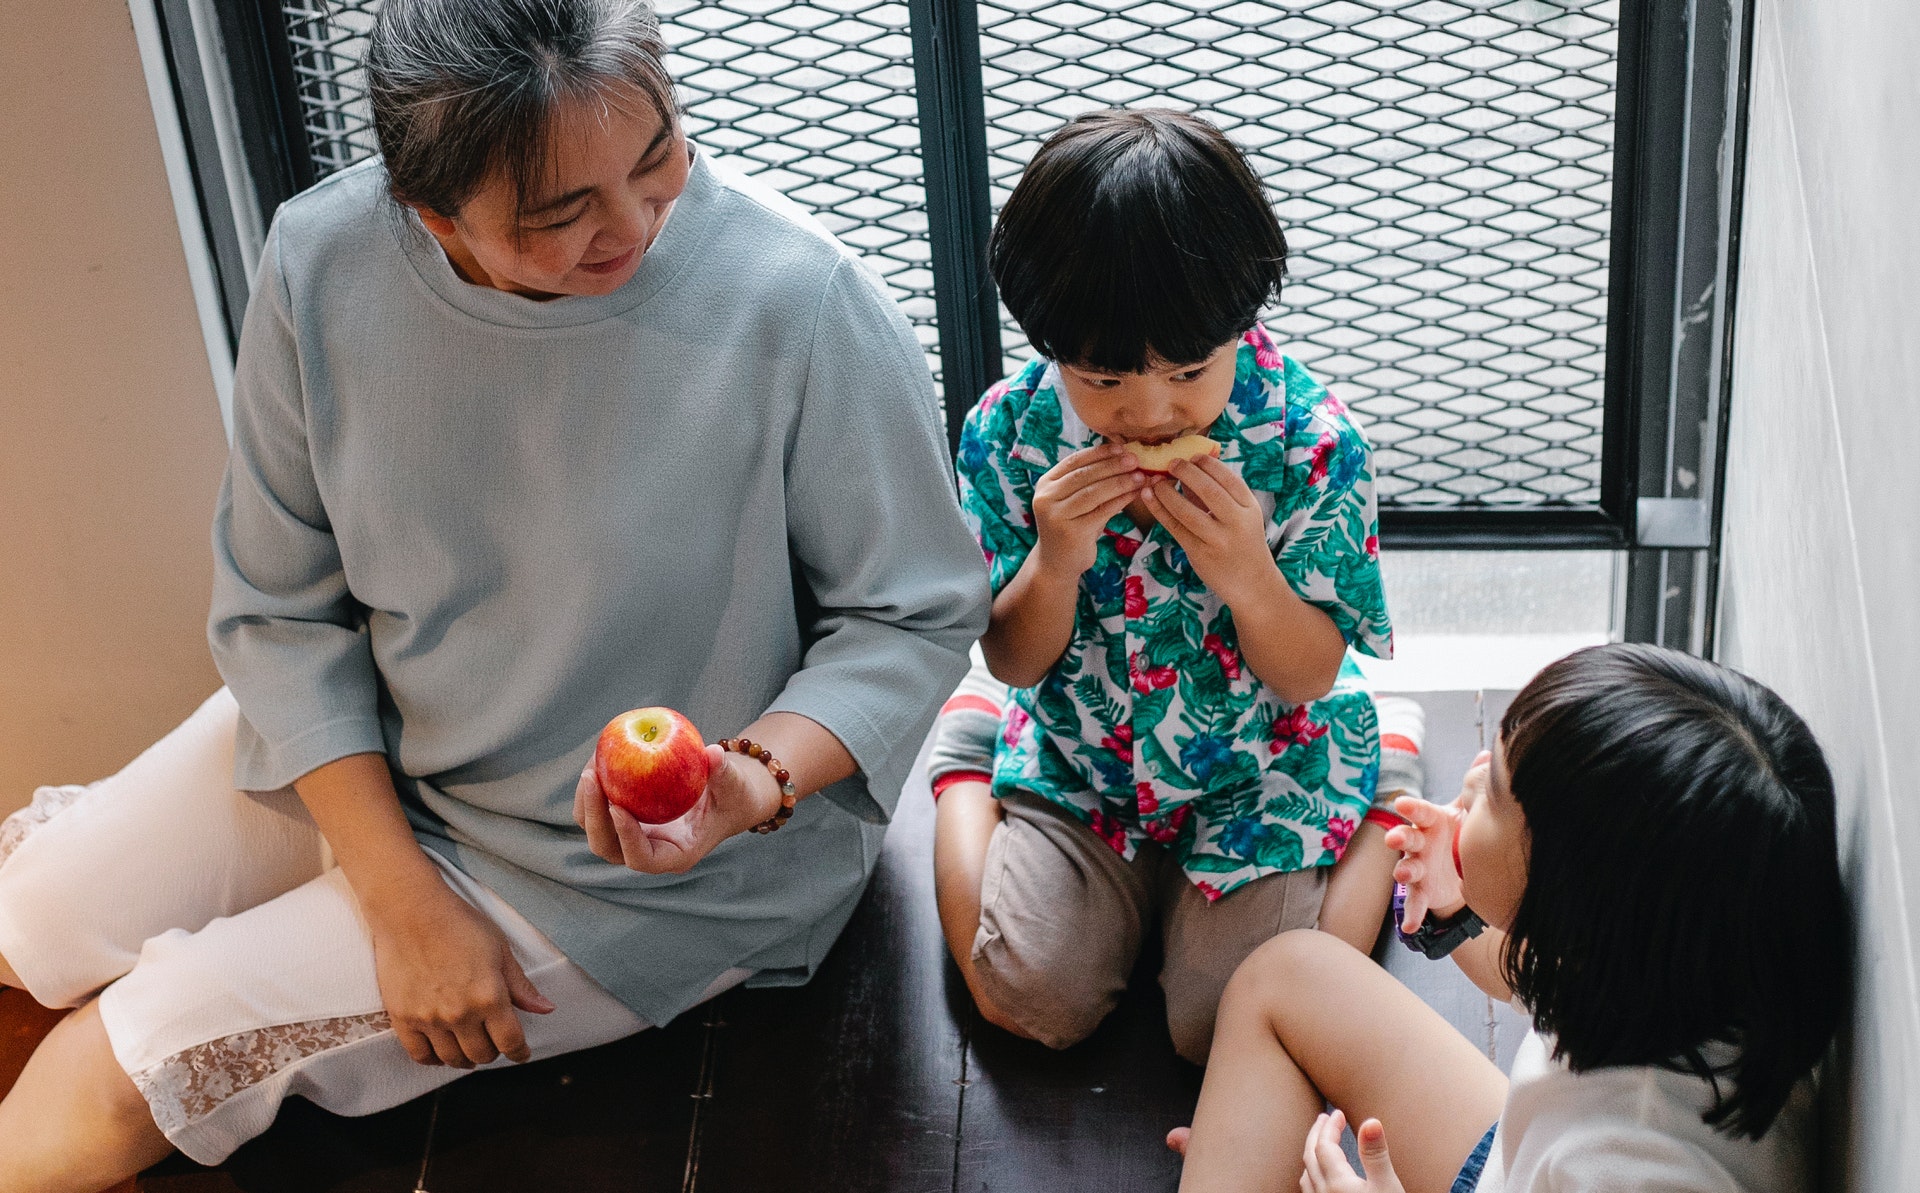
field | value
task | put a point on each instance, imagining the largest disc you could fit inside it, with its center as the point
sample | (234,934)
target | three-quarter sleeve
(875,525)
(286,633)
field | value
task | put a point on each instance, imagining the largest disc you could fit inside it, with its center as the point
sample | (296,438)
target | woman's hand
(740,793)
(1327,1167)
(1426,847)
(1219,524)
(449,980)
(1073,501)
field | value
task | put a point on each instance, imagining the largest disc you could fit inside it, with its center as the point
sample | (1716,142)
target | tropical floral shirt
(1151,726)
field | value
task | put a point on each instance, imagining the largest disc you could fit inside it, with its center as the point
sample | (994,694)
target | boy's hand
(1074,499)
(1219,524)
(1425,843)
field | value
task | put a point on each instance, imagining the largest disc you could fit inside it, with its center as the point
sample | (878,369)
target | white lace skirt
(231,962)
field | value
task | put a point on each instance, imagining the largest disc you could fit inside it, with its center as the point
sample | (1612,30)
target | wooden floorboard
(851,1083)
(1091,1117)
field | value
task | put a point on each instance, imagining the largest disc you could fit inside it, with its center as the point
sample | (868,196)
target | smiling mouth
(611,264)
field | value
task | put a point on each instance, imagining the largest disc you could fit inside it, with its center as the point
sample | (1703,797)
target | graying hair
(465,90)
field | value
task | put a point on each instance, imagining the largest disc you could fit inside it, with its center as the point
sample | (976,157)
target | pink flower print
(1152,678)
(1339,832)
(1294,728)
(993,395)
(1017,719)
(1229,660)
(1161,831)
(1136,603)
(1124,545)
(1145,799)
(1333,405)
(1180,816)
(1322,456)
(1265,354)
(1109,830)
(1120,741)
(1372,546)
(1211,891)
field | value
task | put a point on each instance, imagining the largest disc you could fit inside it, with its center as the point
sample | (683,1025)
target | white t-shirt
(1633,1130)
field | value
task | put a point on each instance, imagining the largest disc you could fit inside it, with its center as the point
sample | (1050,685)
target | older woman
(539,417)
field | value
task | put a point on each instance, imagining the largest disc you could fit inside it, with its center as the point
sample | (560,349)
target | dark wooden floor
(877,1076)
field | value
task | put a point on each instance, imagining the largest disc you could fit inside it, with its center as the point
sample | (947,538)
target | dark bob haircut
(1136,237)
(464,90)
(1683,881)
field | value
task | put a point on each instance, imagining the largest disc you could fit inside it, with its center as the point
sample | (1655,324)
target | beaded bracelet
(740,745)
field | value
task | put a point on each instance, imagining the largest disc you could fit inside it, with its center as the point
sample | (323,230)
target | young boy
(1187,741)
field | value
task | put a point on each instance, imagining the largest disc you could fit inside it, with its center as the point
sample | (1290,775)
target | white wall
(110,438)
(1821,587)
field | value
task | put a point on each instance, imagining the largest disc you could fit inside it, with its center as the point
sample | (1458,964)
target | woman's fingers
(507,1037)
(476,1044)
(1314,1178)
(596,818)
(521,991)
(418,1047)
(447,1047)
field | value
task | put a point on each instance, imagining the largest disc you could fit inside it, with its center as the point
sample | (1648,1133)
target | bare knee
(7,976)
(1290,969)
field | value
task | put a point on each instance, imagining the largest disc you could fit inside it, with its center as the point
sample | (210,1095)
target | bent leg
(1062,917)
(213,1030)
(964,819)
(1207,941)
(73,1122)
(1306,1018)
(87,874)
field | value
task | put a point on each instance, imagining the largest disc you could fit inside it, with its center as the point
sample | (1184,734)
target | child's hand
(1327,1167)
(1220,526)
(1073,501)
(1425,843)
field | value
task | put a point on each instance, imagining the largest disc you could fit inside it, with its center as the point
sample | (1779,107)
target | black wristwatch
(1434,938)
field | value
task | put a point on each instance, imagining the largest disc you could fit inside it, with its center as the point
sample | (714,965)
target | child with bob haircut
(1649,858)
(1187,741)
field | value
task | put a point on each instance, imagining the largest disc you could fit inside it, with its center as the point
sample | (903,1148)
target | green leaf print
(1094,695)
(1213,863)
(1162,767)
(1207,697)
(1298,807)
(1280,847)
(1149,709)
(1307,762)
(1042,426)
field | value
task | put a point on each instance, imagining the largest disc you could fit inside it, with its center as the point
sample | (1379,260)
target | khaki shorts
(1062,919)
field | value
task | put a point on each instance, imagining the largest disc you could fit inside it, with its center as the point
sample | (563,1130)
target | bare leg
(74,1123)
(1360,888)
(1306,1017)
(7,976)
(964,820)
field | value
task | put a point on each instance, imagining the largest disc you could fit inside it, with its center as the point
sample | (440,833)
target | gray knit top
(465,528)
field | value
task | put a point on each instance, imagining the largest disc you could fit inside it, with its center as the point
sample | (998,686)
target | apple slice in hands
(1161,457)
(652,763)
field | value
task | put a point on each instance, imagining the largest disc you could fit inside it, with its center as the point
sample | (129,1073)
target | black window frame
(1678,170)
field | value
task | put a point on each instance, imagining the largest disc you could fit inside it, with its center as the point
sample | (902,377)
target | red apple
(1160,457)
(651,762)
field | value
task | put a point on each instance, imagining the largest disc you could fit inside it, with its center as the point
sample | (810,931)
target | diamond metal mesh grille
(1443,169)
